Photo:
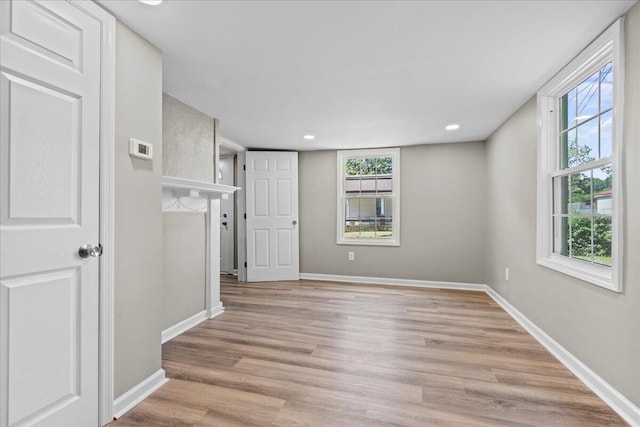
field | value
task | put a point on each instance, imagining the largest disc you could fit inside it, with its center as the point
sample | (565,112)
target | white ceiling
(362,73)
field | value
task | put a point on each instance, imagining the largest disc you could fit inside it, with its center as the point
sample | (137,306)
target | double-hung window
(369,197)
(579,167)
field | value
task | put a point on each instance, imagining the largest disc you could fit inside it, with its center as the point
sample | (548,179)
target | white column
(212,229)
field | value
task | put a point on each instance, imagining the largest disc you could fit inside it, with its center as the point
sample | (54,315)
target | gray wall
(138,216)
(443,217)
(184,266)
(188,141)
(598,326)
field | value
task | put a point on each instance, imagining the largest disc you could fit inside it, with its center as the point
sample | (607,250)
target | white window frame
(342,156)
(609,46)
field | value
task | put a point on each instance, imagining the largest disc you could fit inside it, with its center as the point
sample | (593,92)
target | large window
(579,185)
(369,197)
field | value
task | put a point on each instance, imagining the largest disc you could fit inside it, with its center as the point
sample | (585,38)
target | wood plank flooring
(334,354)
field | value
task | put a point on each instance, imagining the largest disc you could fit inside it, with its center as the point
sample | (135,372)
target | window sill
(367,242)
(594,274)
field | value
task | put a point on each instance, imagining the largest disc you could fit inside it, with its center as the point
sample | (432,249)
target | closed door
(50,54)
(227,216)
(272,216)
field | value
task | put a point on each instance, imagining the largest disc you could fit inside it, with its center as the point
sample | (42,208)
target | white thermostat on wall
(140,149)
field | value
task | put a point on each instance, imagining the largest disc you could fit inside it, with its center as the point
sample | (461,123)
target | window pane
(368,175)
(384,218)
(602,191)
(368,217)
(568,110)
(352,185)
(606,134)
(568,149)
(384,166)
(560,195)
(602,240)
(588,134)
(352,218)
(561,235)
(606,87)
(581,238)
(352,166)
(588,98)
(581,194)
(384,184)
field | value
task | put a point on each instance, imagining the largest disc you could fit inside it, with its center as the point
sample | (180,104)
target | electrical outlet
(506,274)
(352,256)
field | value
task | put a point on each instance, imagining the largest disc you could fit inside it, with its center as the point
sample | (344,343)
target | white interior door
(50,53)
(272,216)
(227,216)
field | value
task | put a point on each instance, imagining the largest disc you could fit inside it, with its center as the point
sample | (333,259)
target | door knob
(224,223)
(294,222)
(87,250)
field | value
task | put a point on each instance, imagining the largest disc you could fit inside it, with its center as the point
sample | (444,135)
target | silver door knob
(87,250)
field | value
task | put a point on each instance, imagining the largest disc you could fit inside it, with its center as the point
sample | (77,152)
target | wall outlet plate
(140,149)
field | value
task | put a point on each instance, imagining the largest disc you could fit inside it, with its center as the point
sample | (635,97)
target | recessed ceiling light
(151,2)
(309,137)
(452,127)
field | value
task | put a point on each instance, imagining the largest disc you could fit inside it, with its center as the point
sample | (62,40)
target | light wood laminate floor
(331,354)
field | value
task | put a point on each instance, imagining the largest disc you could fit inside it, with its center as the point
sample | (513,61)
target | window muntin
(368,197)
(579,178)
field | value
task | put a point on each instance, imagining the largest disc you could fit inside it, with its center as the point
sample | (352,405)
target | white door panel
(50,53)
(272,216)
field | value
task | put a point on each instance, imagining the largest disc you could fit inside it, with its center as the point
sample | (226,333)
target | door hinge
(244,167)
(245,216)
(245,264)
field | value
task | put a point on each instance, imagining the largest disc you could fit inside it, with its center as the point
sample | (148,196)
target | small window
(579,185)
(369,197)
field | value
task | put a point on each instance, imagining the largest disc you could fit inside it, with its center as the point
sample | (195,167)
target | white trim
(230,144)
(216,310)
(212,254)
(608,46)
(241,224)
(341,156)
(394,282)
(184,325)
(612,397)
(138,393)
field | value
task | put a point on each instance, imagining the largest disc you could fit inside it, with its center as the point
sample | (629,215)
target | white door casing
(50,112)
(227,216)
(272,216)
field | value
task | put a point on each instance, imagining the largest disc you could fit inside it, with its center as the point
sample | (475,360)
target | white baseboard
(394,282)
(216,311)
(183,326)
(612,397)
(138,393)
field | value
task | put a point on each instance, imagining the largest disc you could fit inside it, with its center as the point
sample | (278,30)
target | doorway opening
(228,175)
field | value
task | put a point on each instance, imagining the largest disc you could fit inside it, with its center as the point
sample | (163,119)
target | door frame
(240,248)
(106,212)
(231,219)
